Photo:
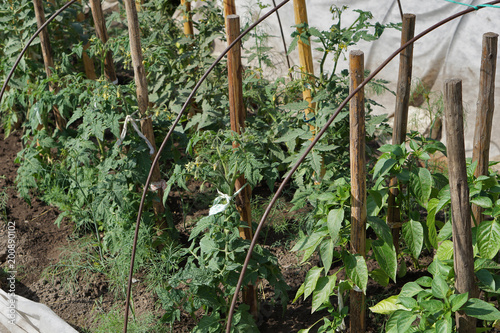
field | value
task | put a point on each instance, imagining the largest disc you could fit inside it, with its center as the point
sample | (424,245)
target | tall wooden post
(485,109)
(460,207)
(102,34)
(88,64)
(358,183)
(237,115)
(188,23)
(305,55)
(401,121)
(142,97)
(48,61)
(229,8)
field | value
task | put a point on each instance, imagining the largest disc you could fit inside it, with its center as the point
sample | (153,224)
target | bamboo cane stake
(237,117)
(358,182)
(484,114)
(305,55)
(188,23)
(102,34)
(460,208)
(48,61)
(401,121)
(142,98)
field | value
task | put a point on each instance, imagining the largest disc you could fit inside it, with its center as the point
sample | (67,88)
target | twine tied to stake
(475,7)
(128,119)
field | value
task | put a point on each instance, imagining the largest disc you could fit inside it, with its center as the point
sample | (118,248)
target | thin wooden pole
(358,183)
(188,23)
(460,207)
(305,55)
(237,116)
(229,8)
(143,100)
(88,63)
(484,114)
(401,120)
(102,34)
(48,61)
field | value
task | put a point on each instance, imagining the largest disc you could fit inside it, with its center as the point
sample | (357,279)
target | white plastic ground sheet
(451,51)
(25,316)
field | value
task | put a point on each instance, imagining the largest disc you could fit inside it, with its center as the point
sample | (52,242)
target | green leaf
(334,222)
(326,254)
(381,229)
(299,293)
(413,234)
(443,326)
(400,321)
(457,300)
(324,288)
(410,289)
(488,238)
(387,306)
(490,282)
(357,271)
(386,257)
(481,310)
(445,250)
(407,302)
(439,287)
(380,277)
(424,281)
(311,280)
(382,167)
(483,202)
(423,186)
(432,305)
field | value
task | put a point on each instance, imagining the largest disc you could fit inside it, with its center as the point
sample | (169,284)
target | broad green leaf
(394,149)
(431,228)
(445,250)
(407,302)
(432,305)
(483,202)
(299,293)
(410,289)
(309,241)
(423,186)
(387,306)
(311,280)
(438,267)
(445,232)
(386,257)
(334,222)
(382,167)
(424,281)
(400,321)
(324,288)
(357,271)
(490,282)
(439,287)
(381,229)
(457,300)
(443,326)
(480,309)
(413,234)
(380,277)
(326,253)
(488,238)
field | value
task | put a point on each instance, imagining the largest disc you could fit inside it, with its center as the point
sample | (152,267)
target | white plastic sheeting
(452,51)
(29,317)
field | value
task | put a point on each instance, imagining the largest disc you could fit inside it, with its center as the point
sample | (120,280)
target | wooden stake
(305,55)
(401,121)
(88,63)
(102,34)
(188,23)
(47,60)
(237,115)
(358,183)
(142,98)
(460,207)
(484,114)
(229,8)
